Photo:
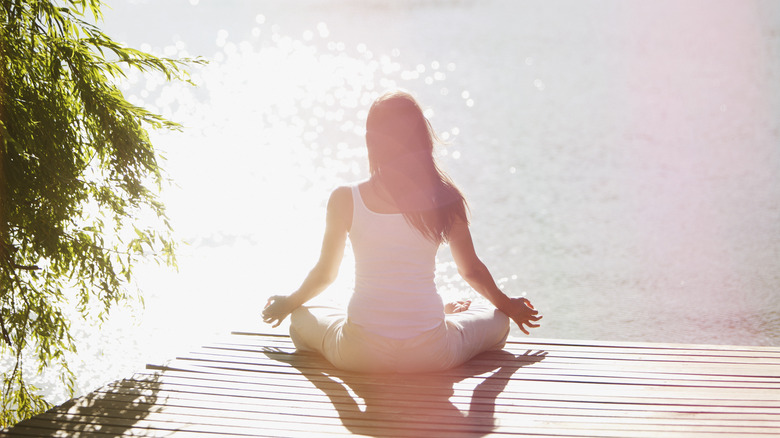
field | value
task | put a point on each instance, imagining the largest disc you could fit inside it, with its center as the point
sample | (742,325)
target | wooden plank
(580,353)
(556,345)
(56,430)
(641,371)
(566,356)
(508,423)
(766,371)
(560,355)
(279,390)
(507,389)
(472,402)
(529,342)
(651,345)
(526,387)
(182,395)
(550,366)
(335,422)
(567,385)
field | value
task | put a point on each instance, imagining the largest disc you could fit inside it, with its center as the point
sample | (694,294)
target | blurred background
(621,159)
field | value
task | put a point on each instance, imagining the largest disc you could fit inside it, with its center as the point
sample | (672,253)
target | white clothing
(347,346)
(395,320)
(395,295)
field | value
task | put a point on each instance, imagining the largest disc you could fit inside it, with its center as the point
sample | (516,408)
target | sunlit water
(621,159)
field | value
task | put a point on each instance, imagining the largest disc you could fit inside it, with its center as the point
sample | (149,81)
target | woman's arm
(476,274)
(337,224)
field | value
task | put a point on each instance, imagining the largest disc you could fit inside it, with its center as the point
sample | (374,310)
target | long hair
(400,155)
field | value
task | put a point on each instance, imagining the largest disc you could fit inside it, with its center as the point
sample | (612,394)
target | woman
(396,220)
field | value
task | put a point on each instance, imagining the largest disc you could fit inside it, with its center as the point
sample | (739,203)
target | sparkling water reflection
(621,158)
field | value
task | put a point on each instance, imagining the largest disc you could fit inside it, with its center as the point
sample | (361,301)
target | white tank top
(395,294)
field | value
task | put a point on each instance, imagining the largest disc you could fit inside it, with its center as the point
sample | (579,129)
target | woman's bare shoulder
(341,195)
(340,205)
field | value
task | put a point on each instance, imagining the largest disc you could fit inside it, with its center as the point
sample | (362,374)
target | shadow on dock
(458,402)
(114,410)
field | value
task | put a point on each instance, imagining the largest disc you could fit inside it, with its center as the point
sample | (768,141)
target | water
(621,158)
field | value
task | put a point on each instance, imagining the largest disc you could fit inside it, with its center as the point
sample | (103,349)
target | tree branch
(6,336)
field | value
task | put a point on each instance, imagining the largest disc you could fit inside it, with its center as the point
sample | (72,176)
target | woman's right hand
(457,306)
(276,309)
(522,312)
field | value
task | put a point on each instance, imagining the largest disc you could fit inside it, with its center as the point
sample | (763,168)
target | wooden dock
(253,384)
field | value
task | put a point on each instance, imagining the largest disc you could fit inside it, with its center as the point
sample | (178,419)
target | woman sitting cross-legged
(396,321)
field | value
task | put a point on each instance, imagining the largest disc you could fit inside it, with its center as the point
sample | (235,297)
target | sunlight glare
(287,118)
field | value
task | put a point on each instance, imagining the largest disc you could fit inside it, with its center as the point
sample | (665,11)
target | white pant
(347,346)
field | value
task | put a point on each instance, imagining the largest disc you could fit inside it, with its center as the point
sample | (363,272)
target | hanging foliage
(77,171)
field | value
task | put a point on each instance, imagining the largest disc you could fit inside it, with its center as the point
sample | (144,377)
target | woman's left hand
(457,306)
(276,309)
(522,312)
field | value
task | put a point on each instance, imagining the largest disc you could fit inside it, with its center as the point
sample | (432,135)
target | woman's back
(395,293)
